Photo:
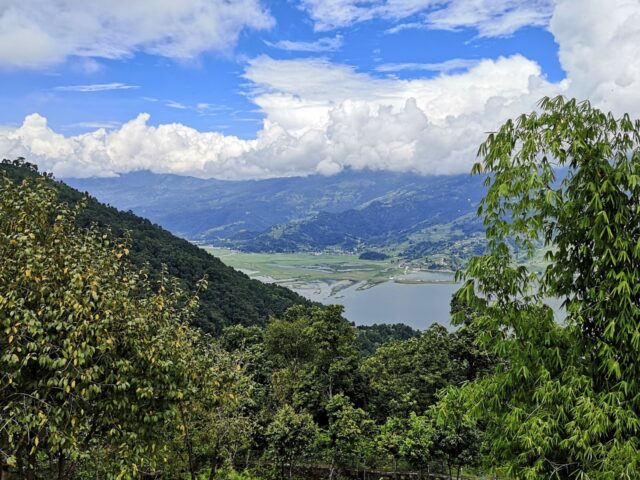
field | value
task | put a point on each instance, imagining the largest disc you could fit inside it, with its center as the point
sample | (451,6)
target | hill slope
(232,297)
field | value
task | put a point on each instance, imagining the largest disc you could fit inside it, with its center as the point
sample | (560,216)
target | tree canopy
(564,400)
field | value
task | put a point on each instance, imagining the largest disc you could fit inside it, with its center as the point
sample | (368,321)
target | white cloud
(96,87)
(39,33)
(331,14)
(326,44)
(335,118)
(491,18)
(600,51)
(455,64)
(176,105)
(107,124)
(322,117)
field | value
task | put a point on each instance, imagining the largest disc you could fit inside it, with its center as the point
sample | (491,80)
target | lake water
(417,305)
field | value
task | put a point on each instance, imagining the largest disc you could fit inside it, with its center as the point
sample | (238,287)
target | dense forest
(106,373)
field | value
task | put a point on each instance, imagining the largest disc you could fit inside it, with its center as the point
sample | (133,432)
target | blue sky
(171,89)
(253,89)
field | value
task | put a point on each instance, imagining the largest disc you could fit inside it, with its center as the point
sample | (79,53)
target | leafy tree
(417,446)
(337,353)
(391,438)
(406,376)
(564,400)
(214,418)
(317,356)
(370,337)
(456,438)
(86,346)
(349,432)
(289,344)
(290,436)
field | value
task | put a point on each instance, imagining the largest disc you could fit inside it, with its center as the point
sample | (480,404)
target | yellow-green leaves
(87,345)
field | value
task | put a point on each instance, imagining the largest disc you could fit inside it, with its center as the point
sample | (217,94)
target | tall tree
(290,436)
(564,402)
(406,376)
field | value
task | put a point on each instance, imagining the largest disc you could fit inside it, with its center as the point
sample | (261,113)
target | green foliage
(370,337)
(406,376)
(418,444)
(391,439)
(103,375)
(316,354)
(564,399)
(370,255)
(86,345)
(455,437)
(289,436)
(232,298)
(350,432)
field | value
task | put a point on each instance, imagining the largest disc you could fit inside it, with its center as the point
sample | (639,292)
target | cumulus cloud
(491,18)
(322,117)
(38,33)
(335,118)
(600,51)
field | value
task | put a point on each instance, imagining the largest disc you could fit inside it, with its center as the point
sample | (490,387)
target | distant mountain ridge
(350,211)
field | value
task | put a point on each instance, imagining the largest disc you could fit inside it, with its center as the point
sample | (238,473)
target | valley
(372,292)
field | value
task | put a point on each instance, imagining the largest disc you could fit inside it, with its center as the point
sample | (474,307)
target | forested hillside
(231,298)
(105,376)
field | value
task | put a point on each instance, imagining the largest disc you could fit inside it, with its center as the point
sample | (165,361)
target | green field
(309,268)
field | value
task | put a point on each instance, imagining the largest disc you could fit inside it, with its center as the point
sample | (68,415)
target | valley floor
(387,291)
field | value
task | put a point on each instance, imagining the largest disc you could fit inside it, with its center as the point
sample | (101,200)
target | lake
(401,300)
(415,304)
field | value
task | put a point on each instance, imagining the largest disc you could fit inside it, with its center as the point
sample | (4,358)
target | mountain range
(354,211)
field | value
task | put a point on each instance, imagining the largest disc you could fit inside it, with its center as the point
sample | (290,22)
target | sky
(256,89)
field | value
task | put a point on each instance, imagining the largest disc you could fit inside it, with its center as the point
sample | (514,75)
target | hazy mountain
(348,211)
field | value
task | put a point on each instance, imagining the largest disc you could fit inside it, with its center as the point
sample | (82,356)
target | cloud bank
(321,117)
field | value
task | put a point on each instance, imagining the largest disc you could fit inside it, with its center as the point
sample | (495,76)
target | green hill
(231,298)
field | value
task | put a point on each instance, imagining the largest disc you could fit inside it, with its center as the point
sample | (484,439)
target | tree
(391,439)
(455,437)
(289,437)
(406,376)
(214,416)
(317,352)
(564,400)
(417,446)
(349,432)
(90,377)
(289,344)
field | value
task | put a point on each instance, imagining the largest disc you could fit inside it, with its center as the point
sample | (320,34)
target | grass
(307,268)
